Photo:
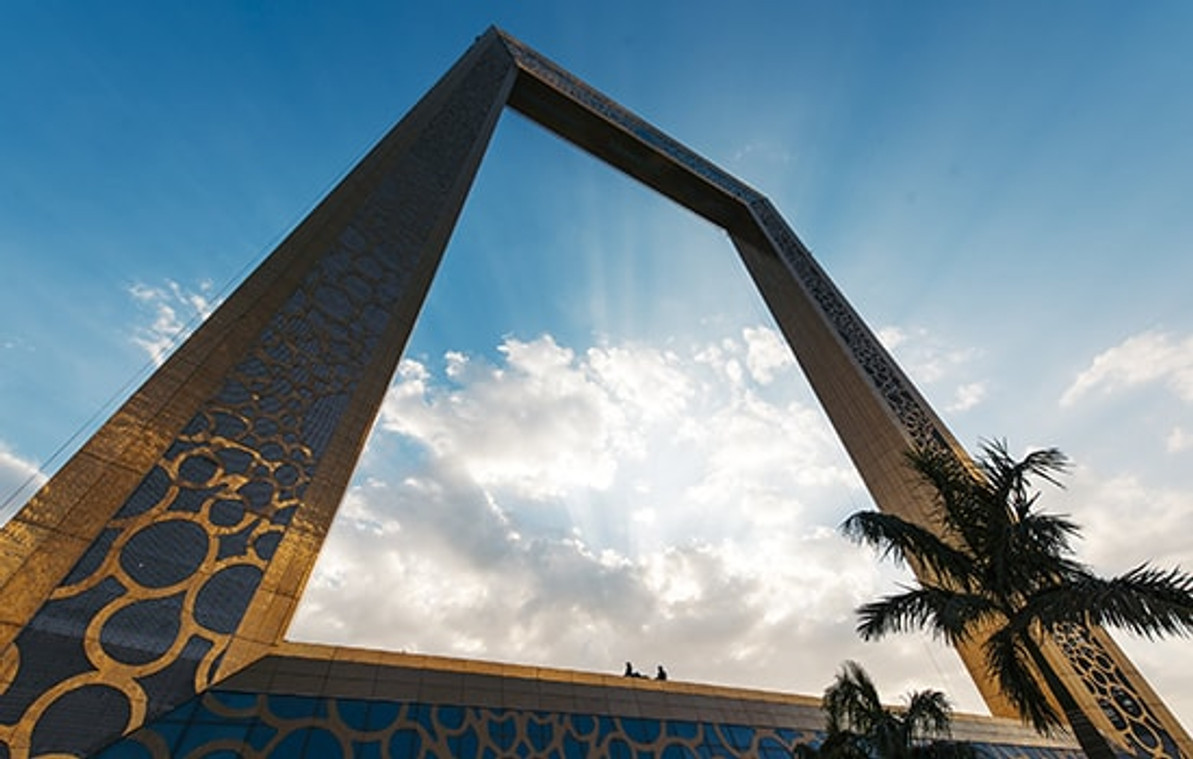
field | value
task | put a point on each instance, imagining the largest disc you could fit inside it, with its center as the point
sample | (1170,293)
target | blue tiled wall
(225,724)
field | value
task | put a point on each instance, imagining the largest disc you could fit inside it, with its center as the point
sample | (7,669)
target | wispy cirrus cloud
(176,311)
(929,361)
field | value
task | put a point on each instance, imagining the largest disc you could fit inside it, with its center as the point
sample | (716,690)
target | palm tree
(1003,566)
(858,726)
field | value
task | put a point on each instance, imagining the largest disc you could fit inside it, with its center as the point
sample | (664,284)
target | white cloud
(1178,440)
(925,357)
(644,380)
(542,424)
(19,480)
(1140,359)
(581,508)
(529,529)
(766,353)
(1126,521)
(929,360)
(771,612)
(891,337)
(967,396)
(15,343)
(176,311)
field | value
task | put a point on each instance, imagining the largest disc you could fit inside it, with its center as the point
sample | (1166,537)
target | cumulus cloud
(767,353)
(542,423)
(176,312)
(579,508)
(438,570)
(576,507)
(1127,521)
(1149,357)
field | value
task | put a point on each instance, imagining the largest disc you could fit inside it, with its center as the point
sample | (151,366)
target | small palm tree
(858,726)
(1002,565)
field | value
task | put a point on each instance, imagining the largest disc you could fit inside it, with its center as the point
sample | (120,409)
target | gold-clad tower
(168,555)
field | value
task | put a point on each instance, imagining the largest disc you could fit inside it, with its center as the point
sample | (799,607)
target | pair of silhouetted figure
(629,672)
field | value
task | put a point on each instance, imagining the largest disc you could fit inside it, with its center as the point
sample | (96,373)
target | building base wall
(320,701)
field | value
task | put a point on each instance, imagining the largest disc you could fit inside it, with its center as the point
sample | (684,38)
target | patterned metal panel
(1111,688)
(149,608)
(565,84)
(143,619)
(239,724)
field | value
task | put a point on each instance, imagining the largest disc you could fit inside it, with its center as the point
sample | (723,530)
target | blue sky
(1001,189)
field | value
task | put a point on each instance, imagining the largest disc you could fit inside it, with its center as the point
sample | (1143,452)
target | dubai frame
(146,589)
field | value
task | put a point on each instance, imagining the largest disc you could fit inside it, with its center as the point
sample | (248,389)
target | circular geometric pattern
(248,446)
(258,493)
(235,460)
(329,728)
(406,742)
(226,513)
(266,544)
(95,555)
(229,425)
(142,631)
(69,724)
(222,600)
(147,495)
(286,475)
(322,339)
(1112,690)
(197,469)
(164,553)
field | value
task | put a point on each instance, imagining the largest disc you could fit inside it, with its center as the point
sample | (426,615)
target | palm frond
(1032,554)
(1046,533)
(860,727)
(943,470)
(1013,477)
(946,750)
(929,714)
(808,751)
(1005,494)
(1010,663)
(960,491)
(843,744)
(948,614)
(896,538)
(1146,601)
(851,703)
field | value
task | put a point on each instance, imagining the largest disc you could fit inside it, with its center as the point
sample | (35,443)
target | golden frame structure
(170,552)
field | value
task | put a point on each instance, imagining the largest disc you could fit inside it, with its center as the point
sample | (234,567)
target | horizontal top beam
(550,96)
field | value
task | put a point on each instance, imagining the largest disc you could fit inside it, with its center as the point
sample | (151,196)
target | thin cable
(146,369)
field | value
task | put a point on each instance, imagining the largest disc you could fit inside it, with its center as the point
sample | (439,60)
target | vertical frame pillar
(172,549)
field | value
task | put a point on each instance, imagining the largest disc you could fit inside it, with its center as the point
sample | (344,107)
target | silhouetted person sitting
(629,670)
(662,674)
